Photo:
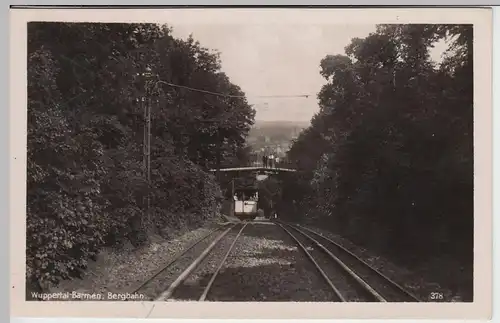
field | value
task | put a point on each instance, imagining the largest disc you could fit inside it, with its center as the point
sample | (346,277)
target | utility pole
(147,143)
(144,77)
(218,156)
(148,151)
(140,78)
(145,109)
(233,204)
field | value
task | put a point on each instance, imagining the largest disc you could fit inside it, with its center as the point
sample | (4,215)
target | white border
(480,308)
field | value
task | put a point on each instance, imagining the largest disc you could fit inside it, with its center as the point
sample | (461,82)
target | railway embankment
(419,280)
(120,270)
(252,261)
(266,265)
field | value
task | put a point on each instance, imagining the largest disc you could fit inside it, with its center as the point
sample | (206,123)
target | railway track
(351,278)
(164,284)
(191,274)
(163,277)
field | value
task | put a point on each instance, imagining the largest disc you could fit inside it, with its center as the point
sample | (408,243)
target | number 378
(436,296)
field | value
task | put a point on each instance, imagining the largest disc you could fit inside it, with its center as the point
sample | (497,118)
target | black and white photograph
(177,160)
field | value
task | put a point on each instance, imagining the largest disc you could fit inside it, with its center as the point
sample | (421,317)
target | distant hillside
(275,136)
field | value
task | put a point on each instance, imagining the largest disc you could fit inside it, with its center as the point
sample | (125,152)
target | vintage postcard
(251,163)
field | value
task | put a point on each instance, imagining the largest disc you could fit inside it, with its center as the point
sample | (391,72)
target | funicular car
(246,203)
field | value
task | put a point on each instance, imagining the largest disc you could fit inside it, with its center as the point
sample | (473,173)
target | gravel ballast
(345,284)
(408,279)
(266,265)
(192,288)
(120,271)
(161,282)
(380,284)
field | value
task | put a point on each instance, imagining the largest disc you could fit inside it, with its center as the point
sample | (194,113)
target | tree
(390,155)
(86,177)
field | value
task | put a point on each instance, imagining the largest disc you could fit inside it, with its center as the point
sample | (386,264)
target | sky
(280,59)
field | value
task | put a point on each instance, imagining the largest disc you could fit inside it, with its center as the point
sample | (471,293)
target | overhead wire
(230,95)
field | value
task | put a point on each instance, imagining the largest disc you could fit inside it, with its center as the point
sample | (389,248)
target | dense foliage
(87,183)
(388,160)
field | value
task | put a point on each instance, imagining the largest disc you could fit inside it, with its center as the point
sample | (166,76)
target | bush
(87,187)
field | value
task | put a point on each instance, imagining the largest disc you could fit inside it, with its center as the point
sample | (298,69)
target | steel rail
(168,293)
(348,270)
(173,260)
(210,283)
(387,279)
(318,267)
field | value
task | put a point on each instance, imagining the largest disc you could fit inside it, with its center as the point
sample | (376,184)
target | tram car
(246,204)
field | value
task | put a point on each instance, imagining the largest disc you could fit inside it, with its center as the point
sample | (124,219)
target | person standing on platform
(264,161)
(271,161)
(277,162)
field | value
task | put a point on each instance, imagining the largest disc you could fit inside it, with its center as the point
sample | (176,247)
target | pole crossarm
(252,169)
